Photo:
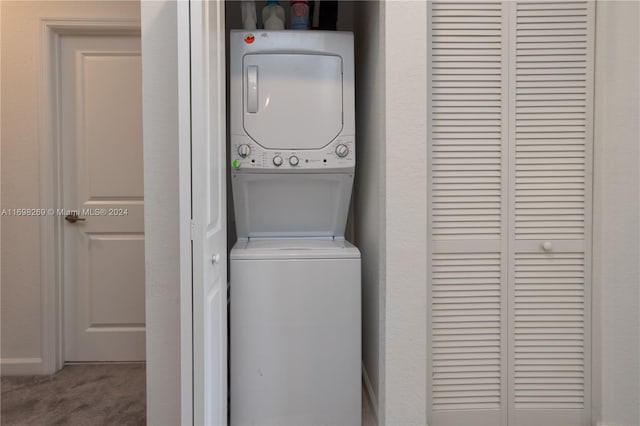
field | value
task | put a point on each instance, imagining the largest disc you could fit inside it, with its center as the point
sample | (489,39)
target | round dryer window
(292,101)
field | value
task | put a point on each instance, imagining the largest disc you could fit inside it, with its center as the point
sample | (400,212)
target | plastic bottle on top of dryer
(299,15)
(273,16)
(248,9)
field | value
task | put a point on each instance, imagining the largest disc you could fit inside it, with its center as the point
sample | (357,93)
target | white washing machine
(295,333)
(295,325)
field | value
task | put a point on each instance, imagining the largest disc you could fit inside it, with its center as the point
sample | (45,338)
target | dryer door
(292,101)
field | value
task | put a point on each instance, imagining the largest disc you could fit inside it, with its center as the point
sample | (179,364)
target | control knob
(293,160)
(244,150)
(342,150)
(277,161)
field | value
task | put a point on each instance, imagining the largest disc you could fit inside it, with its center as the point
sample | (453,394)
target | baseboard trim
(371,396)
(21,366)
(102,362)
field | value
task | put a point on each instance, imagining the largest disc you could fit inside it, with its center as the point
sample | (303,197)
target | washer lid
(291,205)
(292,248)
(292,101)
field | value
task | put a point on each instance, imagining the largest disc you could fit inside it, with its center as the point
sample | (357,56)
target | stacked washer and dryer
(295,325)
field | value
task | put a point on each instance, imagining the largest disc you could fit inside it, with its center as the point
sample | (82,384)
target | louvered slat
(549,331)
(550,119)
(466,334)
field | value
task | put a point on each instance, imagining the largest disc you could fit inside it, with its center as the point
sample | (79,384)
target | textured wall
(405,331)
(369,197)
(160,133)
(617,214)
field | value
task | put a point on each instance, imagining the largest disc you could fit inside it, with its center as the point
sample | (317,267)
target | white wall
(21,318)
(160,134)
(369,197)
(405,333)
(617,213)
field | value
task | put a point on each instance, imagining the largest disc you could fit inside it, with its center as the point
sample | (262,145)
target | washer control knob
(293,160)
(277,161)
(342,150)
(244,150)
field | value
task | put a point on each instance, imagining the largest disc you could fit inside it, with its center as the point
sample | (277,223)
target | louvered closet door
(551,80)
(510,116)
(467,365)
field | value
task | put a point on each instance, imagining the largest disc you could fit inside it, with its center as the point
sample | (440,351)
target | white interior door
(101,110)
(468,145)
(550,169)
(209,206)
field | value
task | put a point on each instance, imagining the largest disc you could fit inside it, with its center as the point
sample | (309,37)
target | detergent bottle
(273,16)
(299,15)
(248,8)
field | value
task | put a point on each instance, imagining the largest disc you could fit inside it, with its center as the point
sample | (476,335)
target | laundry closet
(301,164)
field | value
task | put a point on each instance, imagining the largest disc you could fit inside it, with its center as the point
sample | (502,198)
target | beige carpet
(78,395)
(88,394)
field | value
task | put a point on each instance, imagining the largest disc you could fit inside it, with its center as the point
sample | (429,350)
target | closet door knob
(546,246)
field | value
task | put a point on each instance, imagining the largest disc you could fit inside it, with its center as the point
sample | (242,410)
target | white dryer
(295,282)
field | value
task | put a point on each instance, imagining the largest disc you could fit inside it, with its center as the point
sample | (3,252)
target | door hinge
(192,229)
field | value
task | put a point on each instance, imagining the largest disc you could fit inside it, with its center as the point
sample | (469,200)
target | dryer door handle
(252,88)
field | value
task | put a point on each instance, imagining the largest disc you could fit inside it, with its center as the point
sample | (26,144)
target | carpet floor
(77,395)
(87,394)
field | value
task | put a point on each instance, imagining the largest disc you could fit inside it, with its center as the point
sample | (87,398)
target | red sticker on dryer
(249,38)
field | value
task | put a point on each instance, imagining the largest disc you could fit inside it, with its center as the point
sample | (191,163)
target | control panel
(247,154)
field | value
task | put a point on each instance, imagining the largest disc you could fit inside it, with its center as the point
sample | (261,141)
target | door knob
(547,246)
(73,218)
(215,258)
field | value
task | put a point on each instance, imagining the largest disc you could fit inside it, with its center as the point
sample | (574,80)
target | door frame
(49,125)
(185,212)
